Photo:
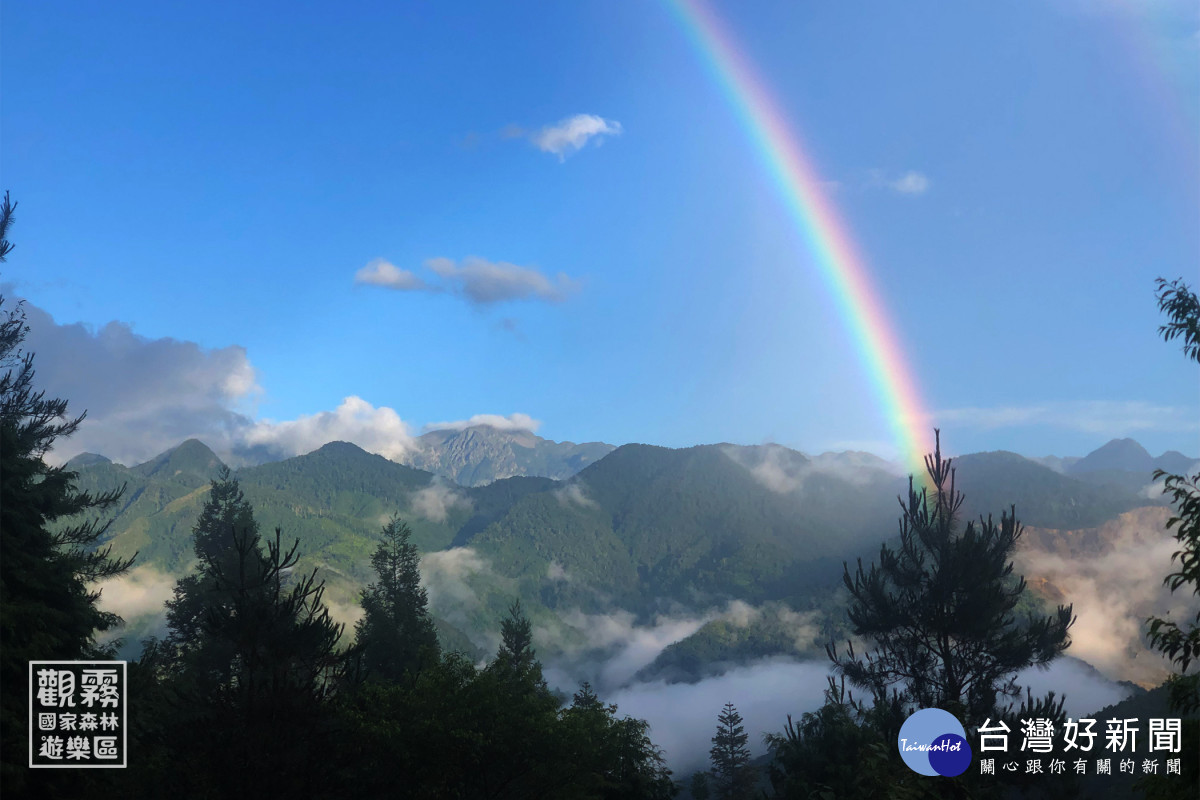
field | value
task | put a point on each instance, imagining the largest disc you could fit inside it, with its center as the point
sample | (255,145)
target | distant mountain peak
(479,454)
(87,460)
(339,447)
(1118,454)
(193,457)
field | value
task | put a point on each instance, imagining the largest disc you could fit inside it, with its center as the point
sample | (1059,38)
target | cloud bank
(1113,576)
(784,471)
(513,422)
(144,396)
(683,717)
(377,430)
(141,395)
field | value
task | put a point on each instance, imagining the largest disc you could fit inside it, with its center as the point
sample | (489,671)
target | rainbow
(843,269)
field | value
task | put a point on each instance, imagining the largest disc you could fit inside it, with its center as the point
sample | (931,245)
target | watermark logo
(932,742)
(77,714)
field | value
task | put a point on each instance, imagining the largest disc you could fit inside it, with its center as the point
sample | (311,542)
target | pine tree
(938,611)
(252,657)
(225,517)
(1181,644)
(48,546)
(733,778)
(396,636)
(516,658)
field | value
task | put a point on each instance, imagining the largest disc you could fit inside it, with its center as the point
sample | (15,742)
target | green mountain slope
(1044,498)
(644,529)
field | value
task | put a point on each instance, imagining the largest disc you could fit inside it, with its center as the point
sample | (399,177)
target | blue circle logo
(932,742)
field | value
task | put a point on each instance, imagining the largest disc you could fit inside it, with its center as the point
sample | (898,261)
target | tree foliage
(732,775)
(249,662)
(1181,644)
(938,610)
(395,635)
(837,751)
(49,537)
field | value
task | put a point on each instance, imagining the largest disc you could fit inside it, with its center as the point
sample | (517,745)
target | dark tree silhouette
(225,517)
(48,540)
(612,757)
(250,660)
(732,776)
(938,610)
(395,636)
(516,659)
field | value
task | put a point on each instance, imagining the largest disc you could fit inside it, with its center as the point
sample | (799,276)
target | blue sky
(584,235)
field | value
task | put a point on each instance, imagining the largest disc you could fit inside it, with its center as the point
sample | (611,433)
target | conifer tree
(1181,644)
(938,610)
(48,540)
(225,519)
(252,656)
(395,636)
(733,778)
(516,658)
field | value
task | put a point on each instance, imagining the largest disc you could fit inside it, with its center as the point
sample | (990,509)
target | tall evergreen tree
(1181,644)
(252,656)
(938,610)
(733,777)
(516,659)
(225,518)
(48,539)
(395,636)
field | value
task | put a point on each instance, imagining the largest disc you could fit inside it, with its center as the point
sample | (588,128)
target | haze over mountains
(661,573)
(735,549)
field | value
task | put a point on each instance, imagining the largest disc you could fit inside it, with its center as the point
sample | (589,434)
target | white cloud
(610,649)
(141,395)
(379,272)
(377,430)
(477,280)
(573,133)
(784,471)
(144,396)
(910,182)
(1113,576)
(435,501)
(345,614)
(574,494)
(683,716)
(447,576)
(1104,417)
(485,282)
(513,422)
(626,645)
(140,592)
(1084,692)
